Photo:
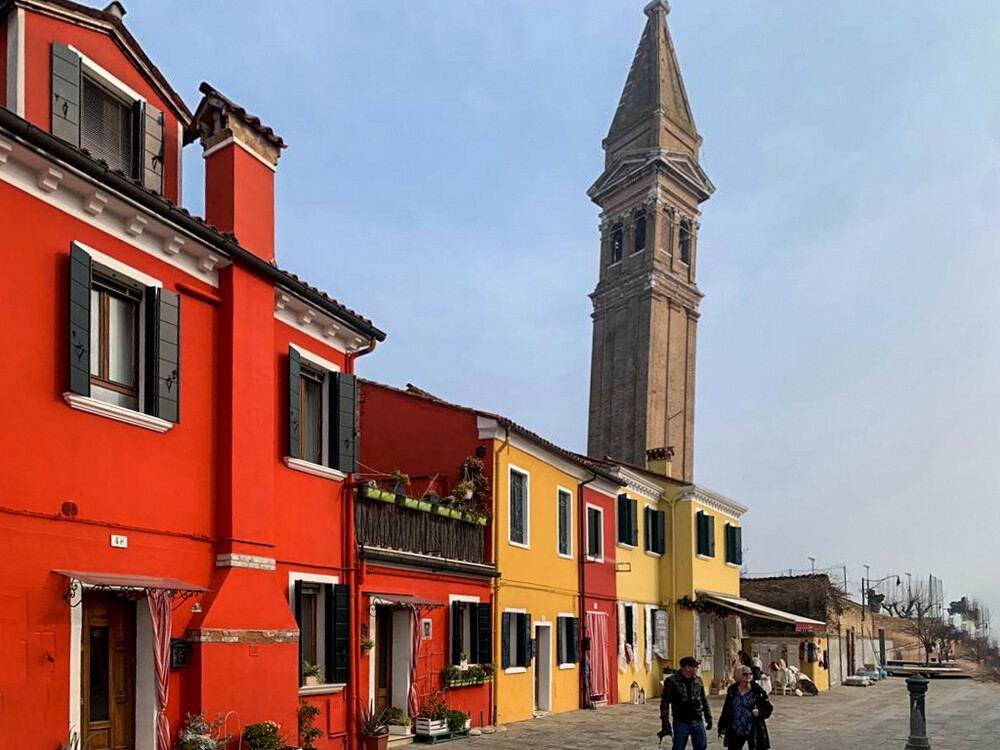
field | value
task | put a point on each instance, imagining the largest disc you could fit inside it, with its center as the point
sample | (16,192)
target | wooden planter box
(424,505)
(387,497)
(399,730)
(431,728)
(408,502)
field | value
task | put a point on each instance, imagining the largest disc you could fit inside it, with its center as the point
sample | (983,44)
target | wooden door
(383,657)
(107,681)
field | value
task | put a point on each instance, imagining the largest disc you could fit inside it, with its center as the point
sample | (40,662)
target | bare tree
(916,608)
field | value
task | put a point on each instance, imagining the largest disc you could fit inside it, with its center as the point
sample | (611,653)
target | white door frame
(543,660)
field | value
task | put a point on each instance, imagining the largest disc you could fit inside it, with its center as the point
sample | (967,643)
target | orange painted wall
(242,190)
(39,33)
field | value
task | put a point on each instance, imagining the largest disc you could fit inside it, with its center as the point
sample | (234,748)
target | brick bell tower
(646,301)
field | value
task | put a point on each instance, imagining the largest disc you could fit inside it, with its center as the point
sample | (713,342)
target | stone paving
(961,715)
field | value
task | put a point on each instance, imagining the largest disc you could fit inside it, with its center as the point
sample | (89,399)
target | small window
(640,232)
(107,128)
(114,343)
(595,533)
(515,646)
(565,520)
(655,537)
(311,421)
(518,508)
(322,413)
(628,523)
(567,640)
(470,632)
(309,622)
(684,242)
(321,611)
(734,544)
(631,626)
(617,239)
(705,530)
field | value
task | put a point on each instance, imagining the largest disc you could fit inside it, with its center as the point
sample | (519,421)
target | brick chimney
(660,460)
(241,156)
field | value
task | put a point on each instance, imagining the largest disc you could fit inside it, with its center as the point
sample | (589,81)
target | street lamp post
(866,585)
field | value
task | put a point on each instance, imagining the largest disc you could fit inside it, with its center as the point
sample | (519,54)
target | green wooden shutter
(150,154)
(661,532)
(298,619)
(711,536)
(702,541)
(294,413)
(79,320)
(633,516)
(629,625)
(456,632)
(483,633)
(526,652)
(341,633)
(560,640)
(329,637)
(65,94)
(738,544)
(505,640)
(623,533)
(647,530)
(574,639)
(473,615)
(164,354)
(343,422)
(729,543)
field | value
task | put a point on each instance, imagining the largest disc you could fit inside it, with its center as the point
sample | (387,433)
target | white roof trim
(714,501)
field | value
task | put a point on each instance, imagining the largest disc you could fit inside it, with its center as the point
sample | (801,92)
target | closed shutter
(329,638)
(574,639)
(738,545)
(151,148)
(472,613)
(700,526)
(527,648)
(294,413)
(343,422)
(483,634)
(65,94)
(633,515)
(728,536)
(661,534)
(341,633)
(456,632)
(560,640)
(297,599)
(592,534)
(79,320)
(163,355)
(711,535)
(623,532)
(647,531)
(505,640)
(629,625)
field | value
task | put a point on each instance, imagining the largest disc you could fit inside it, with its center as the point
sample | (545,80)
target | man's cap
(689,661)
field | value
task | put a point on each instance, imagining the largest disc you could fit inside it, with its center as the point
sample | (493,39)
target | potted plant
(373,728)
(454,511)
(308,731)
(463,491)
(463,661)
(386,496)
(264,735)
(458,721)
(451,675)
(372,492)
(482,519)
(487,670)
(312,673)
(397,721)
(400,480)
(433,719)
(367,644)
(199,733)
(475,675)
(468,516)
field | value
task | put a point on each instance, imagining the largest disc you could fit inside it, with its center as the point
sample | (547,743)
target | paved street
(962,715)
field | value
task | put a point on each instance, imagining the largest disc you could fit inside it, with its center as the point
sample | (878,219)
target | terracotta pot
(381,742)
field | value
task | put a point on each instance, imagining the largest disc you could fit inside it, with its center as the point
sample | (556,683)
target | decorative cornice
(324,328)
(713,500)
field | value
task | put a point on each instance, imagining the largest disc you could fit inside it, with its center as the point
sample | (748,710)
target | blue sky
(436,178)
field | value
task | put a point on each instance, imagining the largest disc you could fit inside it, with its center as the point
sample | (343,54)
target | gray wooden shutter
(79,320)
(294,415)
(526,652)
(343,422)
(150,154)
(341,634)
(483,635)
(574,639)
(329,644)
(702,543)
(560,640)
(647,531)
(505,640)
(738,544)
(661,531)
(298,619)
(65,94)
(456,632)
(623,535)
(164,355)
(633,516)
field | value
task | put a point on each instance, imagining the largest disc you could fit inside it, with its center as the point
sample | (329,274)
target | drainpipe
(582,567)
(496,581)
(673,572)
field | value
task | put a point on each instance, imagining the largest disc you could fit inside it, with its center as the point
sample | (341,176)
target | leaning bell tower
(642,378)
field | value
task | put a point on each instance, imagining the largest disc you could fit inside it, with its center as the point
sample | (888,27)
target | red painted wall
(39,33)
(599,582)
(239,198)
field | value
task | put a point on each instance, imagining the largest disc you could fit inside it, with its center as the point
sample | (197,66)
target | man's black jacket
(687,700)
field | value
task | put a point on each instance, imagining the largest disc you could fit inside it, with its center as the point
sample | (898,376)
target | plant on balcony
(488,670)
(313,673)
(400,480)
(367,644)
(264,735)
(463,491)
(474,674)
(482,498)
(451,675)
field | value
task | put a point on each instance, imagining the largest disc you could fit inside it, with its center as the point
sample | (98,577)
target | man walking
(684,693)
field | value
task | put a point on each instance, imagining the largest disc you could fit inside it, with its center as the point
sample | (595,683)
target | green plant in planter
(475,674)
(451,674)
(434,707)
(456,720)
(455,512)
(396,718)
(463,491)
(424,505)
(312,670)
(372,722)
(308,732)
(264,735)
(469,517)
(386,496)
(367,644)
(401,480)
(482,519)
(372,492)
(488,670)
(409,502)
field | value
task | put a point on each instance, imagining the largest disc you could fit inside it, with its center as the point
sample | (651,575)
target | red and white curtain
(159,607)
(415,638)
(597,628)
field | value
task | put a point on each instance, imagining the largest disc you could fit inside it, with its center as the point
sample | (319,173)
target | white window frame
(619,543)
(654,508)
(705,513)
(300,464)
(526,544)
(600,510)
(511,633)
(467,634)
(560,615)
(293,576)
(569,556)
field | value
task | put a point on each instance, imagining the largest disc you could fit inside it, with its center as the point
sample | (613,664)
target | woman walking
(744,714)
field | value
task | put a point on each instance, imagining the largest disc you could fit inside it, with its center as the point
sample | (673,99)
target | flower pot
(482,520)
(312,680)
(424,505)
(373,493)
(431,728)
(398,730)
(410,502)
(378,742)
(442,510)
(387,497)
(455,513)
(469,517)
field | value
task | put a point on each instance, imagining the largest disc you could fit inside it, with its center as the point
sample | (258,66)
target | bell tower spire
(646,301)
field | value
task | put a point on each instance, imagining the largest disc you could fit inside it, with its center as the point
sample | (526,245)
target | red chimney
(241,156)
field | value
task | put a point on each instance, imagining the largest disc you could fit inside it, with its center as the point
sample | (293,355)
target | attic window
(107,127)
(684,242)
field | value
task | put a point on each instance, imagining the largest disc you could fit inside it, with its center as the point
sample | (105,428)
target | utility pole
(812,561)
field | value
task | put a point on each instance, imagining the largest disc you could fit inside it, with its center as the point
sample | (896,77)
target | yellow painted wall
(535,579)
(814,671)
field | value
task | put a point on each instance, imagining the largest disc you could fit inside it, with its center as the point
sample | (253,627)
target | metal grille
(107,128)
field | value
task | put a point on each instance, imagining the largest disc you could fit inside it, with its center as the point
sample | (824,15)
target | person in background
(684,694)
(744,714)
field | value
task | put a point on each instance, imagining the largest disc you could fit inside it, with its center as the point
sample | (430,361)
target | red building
(600,623)
(182,404)
(425,578)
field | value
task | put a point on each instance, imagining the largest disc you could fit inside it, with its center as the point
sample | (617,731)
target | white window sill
(705,557)
(733,565)
(567,666)
(308,467)
(626,546)
(322,689)
(518,544)
(117,413)
(515,670)
(591,558)
(565,557)
(616,263)
(654,554)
